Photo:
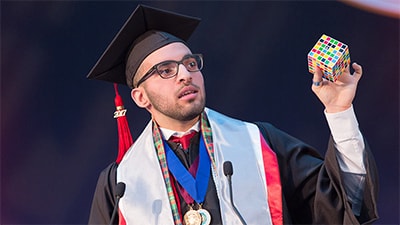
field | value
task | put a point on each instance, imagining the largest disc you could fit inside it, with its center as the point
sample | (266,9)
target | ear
(139,97)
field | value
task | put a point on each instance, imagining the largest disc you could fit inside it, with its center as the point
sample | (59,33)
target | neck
(176,125)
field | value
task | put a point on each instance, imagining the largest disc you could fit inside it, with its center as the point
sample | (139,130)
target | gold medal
(192,217)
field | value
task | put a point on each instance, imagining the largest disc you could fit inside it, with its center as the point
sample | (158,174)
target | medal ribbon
(159,145)
(196,187)
(192,170)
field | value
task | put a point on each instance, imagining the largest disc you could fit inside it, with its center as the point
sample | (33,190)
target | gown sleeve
(104,197)
(313,188)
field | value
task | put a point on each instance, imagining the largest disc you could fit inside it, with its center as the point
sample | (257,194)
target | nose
(183,74)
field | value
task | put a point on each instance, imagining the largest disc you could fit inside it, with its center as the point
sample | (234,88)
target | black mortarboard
(146,30)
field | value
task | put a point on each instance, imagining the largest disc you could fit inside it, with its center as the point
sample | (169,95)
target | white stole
(146,201)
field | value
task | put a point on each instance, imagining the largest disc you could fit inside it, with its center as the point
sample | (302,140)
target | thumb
(357,70)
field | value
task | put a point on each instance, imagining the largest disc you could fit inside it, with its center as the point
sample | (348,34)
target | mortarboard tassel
(124,134)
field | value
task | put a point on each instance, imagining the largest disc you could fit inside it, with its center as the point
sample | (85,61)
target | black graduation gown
(313,192)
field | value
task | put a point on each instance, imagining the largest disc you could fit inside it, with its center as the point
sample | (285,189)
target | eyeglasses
(170,68)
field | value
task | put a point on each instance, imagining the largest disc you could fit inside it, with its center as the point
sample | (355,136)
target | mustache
(189,83)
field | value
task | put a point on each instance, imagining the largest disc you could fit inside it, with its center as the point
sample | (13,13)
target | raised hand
(337,96)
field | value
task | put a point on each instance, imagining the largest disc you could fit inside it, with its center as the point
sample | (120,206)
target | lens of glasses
(192,63)
(167,69)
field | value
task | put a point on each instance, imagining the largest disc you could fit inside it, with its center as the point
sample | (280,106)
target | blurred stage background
(57,130)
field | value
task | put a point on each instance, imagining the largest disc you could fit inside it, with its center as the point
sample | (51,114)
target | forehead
(173,51)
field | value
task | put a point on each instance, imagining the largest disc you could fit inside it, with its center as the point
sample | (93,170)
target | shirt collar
(167,133)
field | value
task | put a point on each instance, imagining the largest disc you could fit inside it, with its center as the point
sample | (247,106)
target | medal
(192,183)
(205,216)
(197,217)
(192,217)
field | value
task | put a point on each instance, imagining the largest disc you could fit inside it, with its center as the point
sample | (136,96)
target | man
(278,179)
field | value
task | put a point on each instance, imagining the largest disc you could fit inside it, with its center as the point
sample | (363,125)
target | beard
(177,111)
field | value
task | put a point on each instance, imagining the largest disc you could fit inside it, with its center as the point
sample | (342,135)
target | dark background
(57,130)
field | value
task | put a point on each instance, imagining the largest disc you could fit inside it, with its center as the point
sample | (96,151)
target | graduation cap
(146,30)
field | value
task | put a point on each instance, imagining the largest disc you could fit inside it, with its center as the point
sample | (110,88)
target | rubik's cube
(330,55)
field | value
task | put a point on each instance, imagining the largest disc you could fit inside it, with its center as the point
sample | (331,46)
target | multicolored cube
(330,55)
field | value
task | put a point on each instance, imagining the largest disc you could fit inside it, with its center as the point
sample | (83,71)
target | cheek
(198,79)
(200,83)
(159,93)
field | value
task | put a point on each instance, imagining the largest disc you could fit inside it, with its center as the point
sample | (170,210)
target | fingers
(317,75)
(318,81)
(317,78)
(357,70)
